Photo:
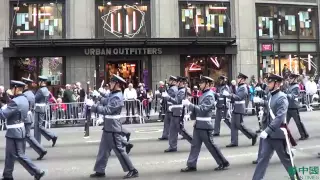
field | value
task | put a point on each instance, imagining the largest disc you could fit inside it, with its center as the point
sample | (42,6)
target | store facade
(287,39)
(123,37)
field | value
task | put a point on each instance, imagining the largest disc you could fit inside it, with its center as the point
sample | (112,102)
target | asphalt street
(74,157)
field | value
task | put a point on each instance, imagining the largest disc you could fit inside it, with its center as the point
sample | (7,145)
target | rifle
(155,108)
(88,114)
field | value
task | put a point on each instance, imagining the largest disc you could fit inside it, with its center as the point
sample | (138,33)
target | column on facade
(164,24)
(245,28)
(4,37)
(80,24)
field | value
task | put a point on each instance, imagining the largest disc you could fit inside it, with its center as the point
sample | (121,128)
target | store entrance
(133,69)
(129,70)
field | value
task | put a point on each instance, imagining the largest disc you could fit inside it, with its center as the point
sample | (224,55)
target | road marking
(133,139)
(149,131)
(309,147)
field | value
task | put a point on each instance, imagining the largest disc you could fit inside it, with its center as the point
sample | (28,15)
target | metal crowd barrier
(132,111)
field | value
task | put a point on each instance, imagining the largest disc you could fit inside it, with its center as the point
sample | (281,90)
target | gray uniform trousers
(294,113)
(175,128)
(39,129)
(206,137)
(237,124)
(32,141)
(166,124)
(15,151)
(112,141)
(267,149)
(220,114)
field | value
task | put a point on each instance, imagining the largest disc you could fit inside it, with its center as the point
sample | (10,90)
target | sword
(102,83)
(289,149)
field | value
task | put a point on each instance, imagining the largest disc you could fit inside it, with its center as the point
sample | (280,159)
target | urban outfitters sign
(122,51)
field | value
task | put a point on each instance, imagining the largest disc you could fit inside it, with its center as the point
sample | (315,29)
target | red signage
(266,47)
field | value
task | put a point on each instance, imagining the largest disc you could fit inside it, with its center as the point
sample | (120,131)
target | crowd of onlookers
(141,100)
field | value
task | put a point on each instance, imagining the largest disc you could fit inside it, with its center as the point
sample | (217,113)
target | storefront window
(204,19)
(52,67)
(37,21)
(288,22)
(123,20)
(23,67)
(211,65)
(267,21)
(309,65)
(308,22)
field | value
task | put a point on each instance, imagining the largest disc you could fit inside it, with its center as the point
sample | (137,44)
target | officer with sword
(34,144)
(177,120)
(293,94)
(111,138)
(222,109)
(202,132)
(172,91)
(16,112)
(275,136)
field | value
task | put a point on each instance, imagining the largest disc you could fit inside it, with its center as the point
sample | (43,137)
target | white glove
(101,90)
(258,88)
(257,100)
(100,119)
(29,113)
(89,102)
(95,93)
(165,94)
(226,93)
(263,135)
(157,92)
(4,107)
(186,102)
(170,108)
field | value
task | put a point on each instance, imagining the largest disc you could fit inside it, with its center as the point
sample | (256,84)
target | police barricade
(131,111)
(64,113)
(312,100)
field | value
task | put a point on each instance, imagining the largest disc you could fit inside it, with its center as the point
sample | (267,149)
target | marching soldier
(176,123)
(263,124)
(41,103)
(273,136)
(222,109)
(202,132)
(238,112)
(28,122)
(293,94)
(173,89)
(16,112)
(111,137)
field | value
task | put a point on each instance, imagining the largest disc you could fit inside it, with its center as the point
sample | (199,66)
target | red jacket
(59,106)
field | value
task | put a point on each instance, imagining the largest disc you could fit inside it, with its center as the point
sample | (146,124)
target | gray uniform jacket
(111,107)
(16,113)
(220,101)
(239,99)
(172,91)
(177,102)
(279,106)
(293,94)
(31,99)
(41,97)
(203,111)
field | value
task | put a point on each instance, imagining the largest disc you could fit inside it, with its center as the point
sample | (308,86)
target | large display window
(286,21)
(52,67)
(284,64)
(207,65)
(117,19)
(204,19)
(43,20)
